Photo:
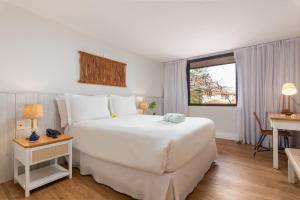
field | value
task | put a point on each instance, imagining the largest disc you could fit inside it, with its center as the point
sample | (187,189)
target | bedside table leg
(16,171)
(70,166)
(27,180)
(70,160)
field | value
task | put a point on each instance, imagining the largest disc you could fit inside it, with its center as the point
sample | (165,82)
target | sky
(224,74)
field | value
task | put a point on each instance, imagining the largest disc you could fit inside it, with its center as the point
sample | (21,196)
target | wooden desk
(281,121)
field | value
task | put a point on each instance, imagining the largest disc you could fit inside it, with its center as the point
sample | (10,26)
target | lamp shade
(33,111)
(143,105)
(140,99)
(289,89)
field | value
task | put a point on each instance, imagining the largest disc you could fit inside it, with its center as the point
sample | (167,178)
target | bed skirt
(144,185)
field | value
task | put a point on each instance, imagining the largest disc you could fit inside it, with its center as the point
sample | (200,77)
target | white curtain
(175,87)
(262,70)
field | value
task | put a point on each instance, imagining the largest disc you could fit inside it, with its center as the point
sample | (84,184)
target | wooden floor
(236,175)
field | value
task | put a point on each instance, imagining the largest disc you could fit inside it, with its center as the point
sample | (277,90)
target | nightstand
(31,153)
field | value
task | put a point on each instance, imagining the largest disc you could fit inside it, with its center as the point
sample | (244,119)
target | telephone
(52,133)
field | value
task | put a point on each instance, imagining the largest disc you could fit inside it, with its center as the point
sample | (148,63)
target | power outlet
(20,125)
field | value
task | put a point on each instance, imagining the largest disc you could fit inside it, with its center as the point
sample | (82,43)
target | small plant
(152,106)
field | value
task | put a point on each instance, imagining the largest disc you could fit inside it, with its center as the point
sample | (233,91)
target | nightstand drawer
(49,153)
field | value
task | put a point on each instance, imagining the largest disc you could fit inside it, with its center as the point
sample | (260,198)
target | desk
(280,121)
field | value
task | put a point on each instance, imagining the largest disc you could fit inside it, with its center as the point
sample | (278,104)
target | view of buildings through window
(215,85)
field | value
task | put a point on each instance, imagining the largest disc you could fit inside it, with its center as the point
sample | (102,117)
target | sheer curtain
(175,87)
(262,70)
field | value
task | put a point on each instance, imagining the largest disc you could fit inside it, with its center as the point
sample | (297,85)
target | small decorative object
(288,89)
(33,137)
(152,107)
(33,112)
(113,115)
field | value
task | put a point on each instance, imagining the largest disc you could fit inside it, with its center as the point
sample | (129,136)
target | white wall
(37,54)
(225,119)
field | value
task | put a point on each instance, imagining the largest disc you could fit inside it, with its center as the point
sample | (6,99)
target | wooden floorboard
(236,175)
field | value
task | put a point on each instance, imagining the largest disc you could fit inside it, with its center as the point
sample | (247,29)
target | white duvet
(144,142)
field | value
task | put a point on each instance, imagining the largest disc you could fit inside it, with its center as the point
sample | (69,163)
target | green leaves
(152,105)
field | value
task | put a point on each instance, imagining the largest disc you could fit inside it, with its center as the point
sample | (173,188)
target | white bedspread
(143,142)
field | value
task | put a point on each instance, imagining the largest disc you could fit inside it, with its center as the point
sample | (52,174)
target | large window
(212,81)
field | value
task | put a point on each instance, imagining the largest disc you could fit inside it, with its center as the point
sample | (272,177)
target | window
(212,81)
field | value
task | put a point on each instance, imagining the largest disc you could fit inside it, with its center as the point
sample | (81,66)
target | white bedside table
(31,153)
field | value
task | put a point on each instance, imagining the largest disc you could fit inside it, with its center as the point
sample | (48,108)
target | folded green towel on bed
(174,117)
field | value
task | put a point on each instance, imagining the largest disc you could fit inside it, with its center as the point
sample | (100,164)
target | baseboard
(227,135)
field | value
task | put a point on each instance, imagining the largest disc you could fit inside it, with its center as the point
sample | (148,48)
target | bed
(140,155)
(144,156)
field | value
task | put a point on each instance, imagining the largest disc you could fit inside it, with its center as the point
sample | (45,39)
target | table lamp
(143,106)
(33,112)
(288,89)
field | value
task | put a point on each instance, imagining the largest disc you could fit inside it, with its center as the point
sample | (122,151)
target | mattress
(143,142)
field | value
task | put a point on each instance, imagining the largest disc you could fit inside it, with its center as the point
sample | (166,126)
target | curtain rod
(232,50)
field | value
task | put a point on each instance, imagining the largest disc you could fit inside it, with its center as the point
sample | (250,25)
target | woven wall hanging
(103,71)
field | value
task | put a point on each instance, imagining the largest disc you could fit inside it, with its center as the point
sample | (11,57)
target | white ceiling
(173,29)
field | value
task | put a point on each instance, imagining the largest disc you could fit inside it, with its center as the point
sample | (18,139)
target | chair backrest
(258,121)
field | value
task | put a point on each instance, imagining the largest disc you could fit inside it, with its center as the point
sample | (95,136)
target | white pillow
(82,107)
(62,110)
(121,105)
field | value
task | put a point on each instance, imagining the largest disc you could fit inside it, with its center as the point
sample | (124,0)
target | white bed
(143,156)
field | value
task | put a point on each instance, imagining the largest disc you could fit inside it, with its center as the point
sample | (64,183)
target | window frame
(210,58)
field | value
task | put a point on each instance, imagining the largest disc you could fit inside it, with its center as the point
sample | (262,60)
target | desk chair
(264,132)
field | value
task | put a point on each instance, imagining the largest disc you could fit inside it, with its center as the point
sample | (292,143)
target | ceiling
(166,30)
